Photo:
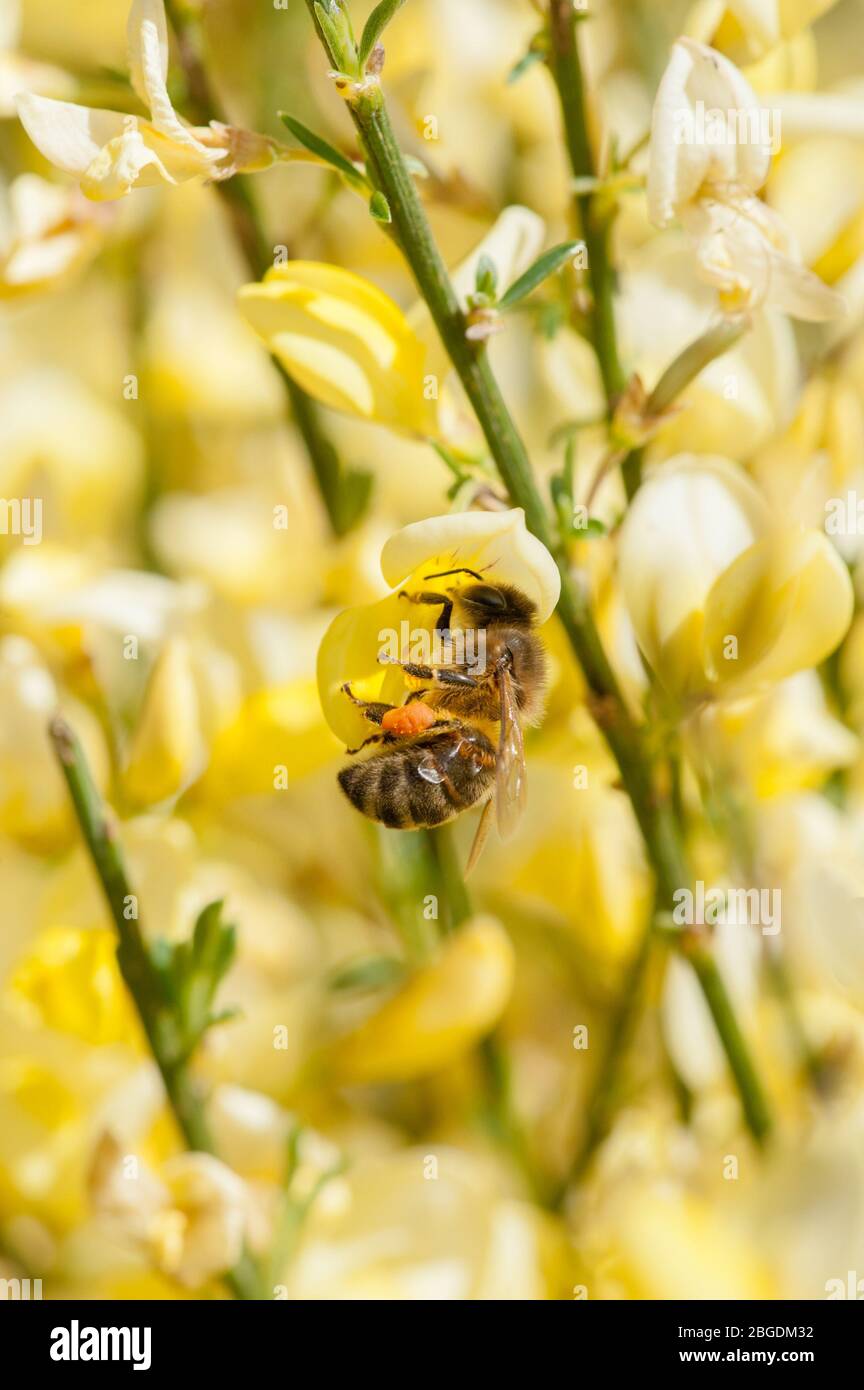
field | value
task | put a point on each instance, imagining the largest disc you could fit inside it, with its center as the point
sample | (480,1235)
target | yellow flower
(438,1016)
(747,29)
(823,154)
(166,749)
(426,1223)
(346,342)
(780,741)
(721,601)
(351,347)
(496,544)
(111,152)
(70,981)
(277,733)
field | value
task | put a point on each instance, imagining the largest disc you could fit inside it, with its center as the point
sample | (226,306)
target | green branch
(136,963)
(566,68)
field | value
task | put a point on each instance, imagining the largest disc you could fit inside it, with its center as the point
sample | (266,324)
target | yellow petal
(166,747)
(438,1016)
(496,544)
(277,727)
(346,342)
(70,981)
(787,602)
(349,652)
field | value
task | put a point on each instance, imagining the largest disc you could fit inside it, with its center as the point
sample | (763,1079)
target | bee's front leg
(436,675)
(433,599)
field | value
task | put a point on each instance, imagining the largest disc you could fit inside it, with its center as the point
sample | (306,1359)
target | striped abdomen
(423,782)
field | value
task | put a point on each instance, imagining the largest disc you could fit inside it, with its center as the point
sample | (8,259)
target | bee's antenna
(442,574)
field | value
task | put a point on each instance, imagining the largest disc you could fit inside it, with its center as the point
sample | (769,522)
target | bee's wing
(510,779)
(480,835)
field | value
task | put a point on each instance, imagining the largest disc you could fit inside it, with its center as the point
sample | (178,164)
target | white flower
(710,154)
(111,152)
(191,1219)
(46,233)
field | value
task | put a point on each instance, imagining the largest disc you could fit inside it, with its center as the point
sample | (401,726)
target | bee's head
(482,603)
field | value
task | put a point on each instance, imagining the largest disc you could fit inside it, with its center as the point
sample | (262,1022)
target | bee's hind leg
(373,710)
(373,738)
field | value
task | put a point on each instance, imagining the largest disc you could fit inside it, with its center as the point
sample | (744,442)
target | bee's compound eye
(485,596)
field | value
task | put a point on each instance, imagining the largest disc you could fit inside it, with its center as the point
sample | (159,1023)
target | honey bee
(457,740)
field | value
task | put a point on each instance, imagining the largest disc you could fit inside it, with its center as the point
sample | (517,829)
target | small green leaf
(486,277)
(590,529)
(317,145)
(415,166)
(526,62)
(369,972)
(355,490)
(379,207)
(331,33)
(546,265)
(375,26)
(336,25)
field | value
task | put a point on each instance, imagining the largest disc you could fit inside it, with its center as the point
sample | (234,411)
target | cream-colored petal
(147,46)
(69,136)
(697,82)
(688,521)
(810,114)
(147,37)
(676,171)
(498,544)
(120,166)
(787,601)
(760,19)
(795,290)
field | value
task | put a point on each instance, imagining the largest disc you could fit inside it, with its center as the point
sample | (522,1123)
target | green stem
(566,67)
(100,836)
(388,171)
(340,491)
(716,340)
(729,1031)
(450,875)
